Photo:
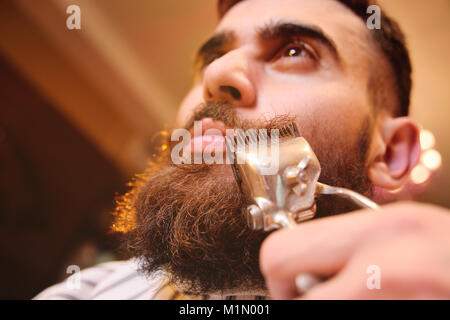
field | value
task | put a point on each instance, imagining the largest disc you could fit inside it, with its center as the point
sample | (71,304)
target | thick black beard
(188,220)
(190,226)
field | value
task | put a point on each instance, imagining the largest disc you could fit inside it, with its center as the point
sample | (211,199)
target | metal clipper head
(279,171)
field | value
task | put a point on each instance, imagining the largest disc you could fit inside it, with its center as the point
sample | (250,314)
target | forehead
(337,21)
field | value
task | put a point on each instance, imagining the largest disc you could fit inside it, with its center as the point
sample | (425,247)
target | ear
(396,152)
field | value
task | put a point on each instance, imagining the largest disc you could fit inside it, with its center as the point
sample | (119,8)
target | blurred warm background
(78,109)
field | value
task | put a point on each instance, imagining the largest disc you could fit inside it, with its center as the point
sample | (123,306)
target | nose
(228,78)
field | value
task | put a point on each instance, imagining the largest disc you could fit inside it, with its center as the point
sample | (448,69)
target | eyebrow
(286,30)
(215,45)
(270,32)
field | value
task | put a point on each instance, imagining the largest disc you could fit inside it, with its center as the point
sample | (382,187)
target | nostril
(233,91)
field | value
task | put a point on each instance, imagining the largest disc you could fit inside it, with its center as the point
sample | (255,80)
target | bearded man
(315,63)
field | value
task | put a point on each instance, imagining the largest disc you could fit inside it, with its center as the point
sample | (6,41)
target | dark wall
(56,189)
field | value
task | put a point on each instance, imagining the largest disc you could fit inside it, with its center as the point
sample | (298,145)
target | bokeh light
(420,174)
(427,139)
(432,159)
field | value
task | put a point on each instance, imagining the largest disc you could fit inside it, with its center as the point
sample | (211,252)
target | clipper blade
(278,170)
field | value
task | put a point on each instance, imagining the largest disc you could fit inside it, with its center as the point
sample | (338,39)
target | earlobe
(398,152)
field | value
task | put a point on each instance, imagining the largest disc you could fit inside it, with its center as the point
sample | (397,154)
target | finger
(322,247)
(281,290)
(319,246)
(339,287)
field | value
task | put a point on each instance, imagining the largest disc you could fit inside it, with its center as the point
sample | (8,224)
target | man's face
(307,59)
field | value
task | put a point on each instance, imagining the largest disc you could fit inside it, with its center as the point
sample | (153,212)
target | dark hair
(390,40)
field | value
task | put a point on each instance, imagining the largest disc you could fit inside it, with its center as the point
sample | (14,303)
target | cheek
(321,107)
(192,100)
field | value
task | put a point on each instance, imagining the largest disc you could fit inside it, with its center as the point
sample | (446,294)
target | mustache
(221,111)
(226,113)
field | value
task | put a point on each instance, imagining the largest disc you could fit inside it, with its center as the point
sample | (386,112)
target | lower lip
(209,143)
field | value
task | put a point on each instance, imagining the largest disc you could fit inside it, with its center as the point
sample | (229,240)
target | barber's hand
(407,245)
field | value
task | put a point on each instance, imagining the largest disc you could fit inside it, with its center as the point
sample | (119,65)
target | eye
(294,52)
(295,56)
(298,49)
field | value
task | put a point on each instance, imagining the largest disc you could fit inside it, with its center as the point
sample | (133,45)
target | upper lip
(209,123)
